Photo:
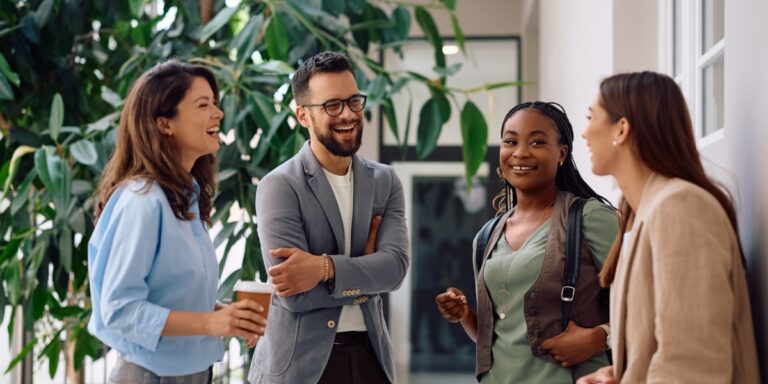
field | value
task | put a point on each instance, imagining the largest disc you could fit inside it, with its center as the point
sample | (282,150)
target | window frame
(694,60)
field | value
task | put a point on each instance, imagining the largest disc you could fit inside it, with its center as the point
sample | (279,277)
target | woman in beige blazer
(679,303)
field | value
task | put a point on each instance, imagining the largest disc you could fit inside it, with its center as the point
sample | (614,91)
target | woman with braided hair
(522,331)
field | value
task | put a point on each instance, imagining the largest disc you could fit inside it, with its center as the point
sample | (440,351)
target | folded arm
(296,273)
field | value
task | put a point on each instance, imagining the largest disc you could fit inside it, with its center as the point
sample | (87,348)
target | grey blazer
(295,207)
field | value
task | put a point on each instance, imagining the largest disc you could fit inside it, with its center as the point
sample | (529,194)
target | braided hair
(567,177)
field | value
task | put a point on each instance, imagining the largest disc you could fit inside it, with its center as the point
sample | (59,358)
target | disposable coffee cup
(256,291)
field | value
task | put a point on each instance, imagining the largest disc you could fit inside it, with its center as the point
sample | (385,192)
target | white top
(351,318)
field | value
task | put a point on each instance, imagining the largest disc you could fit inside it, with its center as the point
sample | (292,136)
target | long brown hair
(661,137)
(143,152)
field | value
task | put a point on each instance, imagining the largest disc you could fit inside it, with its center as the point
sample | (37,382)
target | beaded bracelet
(327,264)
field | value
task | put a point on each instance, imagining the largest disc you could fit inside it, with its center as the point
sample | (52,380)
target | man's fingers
(373,231)
(282,252)
(275,271)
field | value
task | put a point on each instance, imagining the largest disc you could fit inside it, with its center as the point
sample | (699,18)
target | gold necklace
(500,309)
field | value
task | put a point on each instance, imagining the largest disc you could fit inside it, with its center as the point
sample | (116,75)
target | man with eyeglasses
(333,236)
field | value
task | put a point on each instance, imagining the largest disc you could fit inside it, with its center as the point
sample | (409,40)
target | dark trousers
(353,361)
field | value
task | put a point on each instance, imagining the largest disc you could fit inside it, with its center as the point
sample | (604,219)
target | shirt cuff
(149,326)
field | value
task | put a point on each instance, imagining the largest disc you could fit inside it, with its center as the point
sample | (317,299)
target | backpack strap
(482,240)
(572,259)
(572,256)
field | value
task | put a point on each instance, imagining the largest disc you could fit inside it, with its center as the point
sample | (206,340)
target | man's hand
(576,344)
(302,271)
(370,244)
(603,375)
(299,273)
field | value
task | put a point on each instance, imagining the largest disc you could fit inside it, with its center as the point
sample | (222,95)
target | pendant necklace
(500,310)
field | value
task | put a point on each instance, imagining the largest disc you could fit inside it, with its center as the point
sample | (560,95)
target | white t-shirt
(351,318)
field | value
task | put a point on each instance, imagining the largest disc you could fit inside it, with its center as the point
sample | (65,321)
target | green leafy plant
(65,66)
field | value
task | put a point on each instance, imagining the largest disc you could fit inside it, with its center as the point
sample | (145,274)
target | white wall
(746,141)
(575,53)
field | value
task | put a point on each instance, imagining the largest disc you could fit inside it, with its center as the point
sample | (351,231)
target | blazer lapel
(320,187)
(619,289)
(362,205)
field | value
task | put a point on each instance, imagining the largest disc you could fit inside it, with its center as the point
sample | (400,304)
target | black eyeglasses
(334,107)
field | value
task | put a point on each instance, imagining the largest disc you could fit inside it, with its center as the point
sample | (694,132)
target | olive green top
(508,275)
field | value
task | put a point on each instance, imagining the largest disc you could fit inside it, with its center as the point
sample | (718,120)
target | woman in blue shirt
(152,266)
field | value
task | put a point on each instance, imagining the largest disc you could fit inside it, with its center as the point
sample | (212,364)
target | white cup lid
(253,286)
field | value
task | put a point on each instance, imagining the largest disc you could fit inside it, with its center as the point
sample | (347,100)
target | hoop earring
(508,190)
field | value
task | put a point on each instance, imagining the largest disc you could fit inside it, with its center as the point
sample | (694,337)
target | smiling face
(530,151)
(600,135)
(195,128)
(339,135)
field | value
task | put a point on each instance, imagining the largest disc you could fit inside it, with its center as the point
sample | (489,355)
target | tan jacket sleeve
(691,248)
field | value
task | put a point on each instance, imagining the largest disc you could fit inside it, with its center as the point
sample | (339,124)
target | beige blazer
(679,302)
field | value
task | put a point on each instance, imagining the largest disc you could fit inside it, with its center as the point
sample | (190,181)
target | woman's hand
(603,375)
(241,319)
(452,304)
(576,344)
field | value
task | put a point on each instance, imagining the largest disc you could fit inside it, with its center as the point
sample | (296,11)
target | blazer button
(534,311)
(331,324)
(540,350)
(533,295)
(536,333)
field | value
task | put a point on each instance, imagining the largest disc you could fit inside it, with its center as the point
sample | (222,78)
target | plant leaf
(474,132)
(53,352)
(84,152)
(65,248)
(56,119)
(389,113)
(22,193)
(402,19)
(435,112)
(103,123)
(274,66)
(42,167)
(277,39)
(5,69)
(43,13)
(14,165)
(225,233)
(136,7)
(450,4)
(21,355)
(459,34)
(429,28)
(225,289)
(6,93)
(218,21)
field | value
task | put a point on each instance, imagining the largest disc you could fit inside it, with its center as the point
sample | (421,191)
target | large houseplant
(65,66)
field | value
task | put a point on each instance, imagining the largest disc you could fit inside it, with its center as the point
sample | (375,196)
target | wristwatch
(607,330)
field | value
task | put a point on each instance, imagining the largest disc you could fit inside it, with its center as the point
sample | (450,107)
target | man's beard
(339,148)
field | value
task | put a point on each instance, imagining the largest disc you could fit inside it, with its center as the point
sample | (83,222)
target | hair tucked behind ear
(568,177)
(143,152)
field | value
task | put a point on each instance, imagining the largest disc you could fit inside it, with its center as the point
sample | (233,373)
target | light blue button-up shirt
(143,263)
